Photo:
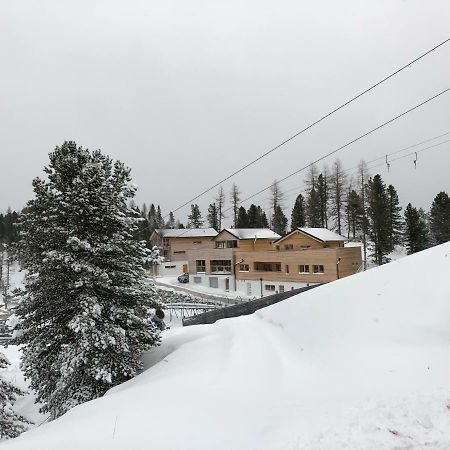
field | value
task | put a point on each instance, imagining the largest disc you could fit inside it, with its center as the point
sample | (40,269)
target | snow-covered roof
(252,233)
(186,232)
(323,234)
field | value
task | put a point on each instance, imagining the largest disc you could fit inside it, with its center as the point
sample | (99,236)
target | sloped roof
(321,234)
(186,232)
(252,233)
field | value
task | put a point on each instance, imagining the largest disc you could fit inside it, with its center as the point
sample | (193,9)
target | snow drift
(361,363)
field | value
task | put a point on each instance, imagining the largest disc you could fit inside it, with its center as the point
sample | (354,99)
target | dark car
(184,278)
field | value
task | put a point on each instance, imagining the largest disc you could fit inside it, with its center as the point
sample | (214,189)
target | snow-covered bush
(85,308)
(11,424)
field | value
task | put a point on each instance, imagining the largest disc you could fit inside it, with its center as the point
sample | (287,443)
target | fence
(242,309)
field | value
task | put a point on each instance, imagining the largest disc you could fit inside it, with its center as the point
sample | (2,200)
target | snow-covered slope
(362,363)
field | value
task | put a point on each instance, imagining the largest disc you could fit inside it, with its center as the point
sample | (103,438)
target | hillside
(361,363)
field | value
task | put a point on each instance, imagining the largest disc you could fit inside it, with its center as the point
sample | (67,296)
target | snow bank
(361,363)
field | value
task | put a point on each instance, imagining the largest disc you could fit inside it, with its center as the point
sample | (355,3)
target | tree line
(361,207)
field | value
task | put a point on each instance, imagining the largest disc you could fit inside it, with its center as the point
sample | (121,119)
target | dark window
(218,265)
(302,268)
(201,265)
(318,269)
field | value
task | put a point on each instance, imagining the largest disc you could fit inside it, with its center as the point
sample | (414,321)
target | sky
(185,93)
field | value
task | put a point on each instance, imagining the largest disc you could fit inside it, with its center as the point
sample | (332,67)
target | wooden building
(258,262)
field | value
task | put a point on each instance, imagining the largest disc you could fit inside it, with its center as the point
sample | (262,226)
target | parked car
(184,278)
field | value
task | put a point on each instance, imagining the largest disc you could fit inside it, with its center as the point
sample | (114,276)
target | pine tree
(213,216)
(440,218)
(242,221)
(171,221)
(416,230)
(395,218)
(264,223)
(276,197)
(354,212)
(298,213)
(379,220)
(313,209)
(253,217)
(279,221)
(195,218)
(11,424)
(159,218)
(85,306)
(152,219)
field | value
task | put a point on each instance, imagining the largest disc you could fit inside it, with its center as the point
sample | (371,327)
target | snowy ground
(25,405)
(361,363)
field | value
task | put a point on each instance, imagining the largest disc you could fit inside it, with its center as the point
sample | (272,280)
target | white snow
(360,363)
(252,233)
(323,234)
(186,232)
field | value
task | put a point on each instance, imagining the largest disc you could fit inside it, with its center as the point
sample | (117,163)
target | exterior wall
(202,279)
(179,247)
(290,261)
(208,255)
(252,288)
(255,245)
(171,268)
(300,239)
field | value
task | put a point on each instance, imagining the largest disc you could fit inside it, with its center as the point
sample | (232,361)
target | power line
(351,169)
(402,150)
(310,126)
(349,143)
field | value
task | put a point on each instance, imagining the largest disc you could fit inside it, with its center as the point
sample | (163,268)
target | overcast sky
(185,92)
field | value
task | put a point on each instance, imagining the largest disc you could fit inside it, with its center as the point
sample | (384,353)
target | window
(287,268)
(227,244)
(289,246)
(213,282)
(179,251)
(267,267)
(166,253)
(244,268)
(201,265)
(197,242)
(169,267)
(166,242)
(269,287)
(197,280)
(302,268)
(232,244)
(218,265)
(318,269)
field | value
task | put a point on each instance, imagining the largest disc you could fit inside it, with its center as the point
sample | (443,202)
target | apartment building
(257,262)
(174,245)
(304,256)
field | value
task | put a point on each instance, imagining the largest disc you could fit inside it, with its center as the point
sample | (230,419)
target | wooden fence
(242,309)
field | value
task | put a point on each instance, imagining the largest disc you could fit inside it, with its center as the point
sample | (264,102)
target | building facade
(258,262)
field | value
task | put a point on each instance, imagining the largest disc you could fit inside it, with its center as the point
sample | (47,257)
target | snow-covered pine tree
(195,219)
(85,306)
(11,424)
(213,216)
